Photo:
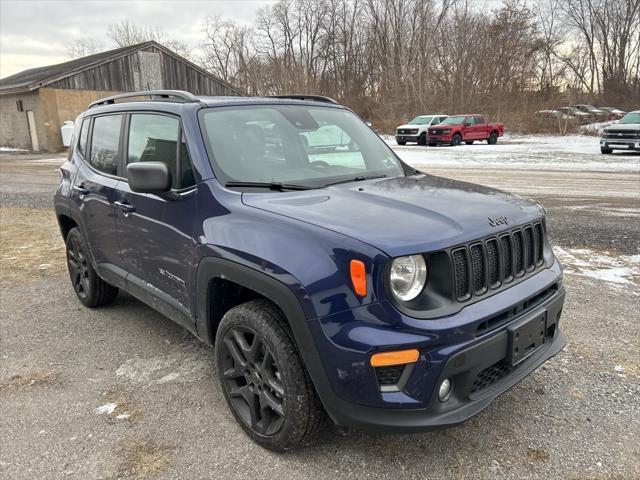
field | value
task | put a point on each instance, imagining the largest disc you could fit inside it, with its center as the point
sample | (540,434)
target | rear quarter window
(83,137)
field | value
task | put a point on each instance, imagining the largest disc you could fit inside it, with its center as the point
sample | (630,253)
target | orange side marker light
(399,357)
(358,277)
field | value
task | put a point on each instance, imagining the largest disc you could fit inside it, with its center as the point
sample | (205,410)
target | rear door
(479,127)
(156,232)
(95,187)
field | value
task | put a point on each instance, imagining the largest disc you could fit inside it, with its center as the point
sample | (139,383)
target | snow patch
(616,270)
(106,409)
(10,149)
(529,152)
(178,367)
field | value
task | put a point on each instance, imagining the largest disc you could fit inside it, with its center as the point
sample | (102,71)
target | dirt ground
(122,392)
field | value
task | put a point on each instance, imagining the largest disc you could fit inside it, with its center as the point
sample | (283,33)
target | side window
(154,138)
(469,121)
(105,143)
(479,120)
(82,138)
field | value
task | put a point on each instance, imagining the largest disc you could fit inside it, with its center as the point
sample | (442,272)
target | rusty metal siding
(127,74)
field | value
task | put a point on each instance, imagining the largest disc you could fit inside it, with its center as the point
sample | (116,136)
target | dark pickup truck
(464,128)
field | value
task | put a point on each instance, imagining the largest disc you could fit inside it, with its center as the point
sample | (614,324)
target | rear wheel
(456,140)
(263,379)
(91,290)
(422,139)
(606,150)
(493,139)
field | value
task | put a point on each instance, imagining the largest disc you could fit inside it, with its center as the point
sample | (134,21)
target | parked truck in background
(416,129)
(464,128)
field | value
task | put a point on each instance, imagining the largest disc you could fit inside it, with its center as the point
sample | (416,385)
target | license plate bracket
(526,336)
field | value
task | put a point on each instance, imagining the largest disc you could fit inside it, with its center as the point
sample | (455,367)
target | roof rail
(158,95)
(314,98)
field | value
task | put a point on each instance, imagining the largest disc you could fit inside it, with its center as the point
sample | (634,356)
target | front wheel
(493,139)
(263,379)
(456,140)
(422,139)
(432,144)
(91,290)
(606,150)
(401,142)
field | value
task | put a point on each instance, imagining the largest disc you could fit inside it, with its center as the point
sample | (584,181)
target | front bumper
(439,139)
(406,138)
(622,144)
(450,348)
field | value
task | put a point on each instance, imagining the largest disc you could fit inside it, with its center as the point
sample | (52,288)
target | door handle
(126,207)
(80,189)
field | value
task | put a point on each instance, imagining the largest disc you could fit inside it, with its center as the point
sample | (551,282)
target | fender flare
(280,294)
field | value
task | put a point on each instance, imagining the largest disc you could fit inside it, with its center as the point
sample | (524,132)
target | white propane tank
(66,130)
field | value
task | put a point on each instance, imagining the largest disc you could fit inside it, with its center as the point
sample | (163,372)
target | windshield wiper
(356,179)
(277,186)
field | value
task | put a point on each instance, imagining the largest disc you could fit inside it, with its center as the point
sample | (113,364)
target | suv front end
(622,135)
(486,316)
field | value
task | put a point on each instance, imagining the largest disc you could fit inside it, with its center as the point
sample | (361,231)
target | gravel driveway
(122,392)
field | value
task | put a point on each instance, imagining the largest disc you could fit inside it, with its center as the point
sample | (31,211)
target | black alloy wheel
(253,380)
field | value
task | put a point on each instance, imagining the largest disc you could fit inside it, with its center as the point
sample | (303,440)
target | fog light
(444,392)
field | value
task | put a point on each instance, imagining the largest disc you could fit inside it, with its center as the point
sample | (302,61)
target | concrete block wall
(14,129)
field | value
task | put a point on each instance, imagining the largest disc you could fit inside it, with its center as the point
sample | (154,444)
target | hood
(630,127)
(403,215)
(407,125)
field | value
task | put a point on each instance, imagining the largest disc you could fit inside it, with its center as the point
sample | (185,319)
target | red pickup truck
(464,128)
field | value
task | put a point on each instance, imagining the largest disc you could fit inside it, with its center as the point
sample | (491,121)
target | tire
(470,142)
(91,290)
(422,139)
(263,379)
(432,144)
(606,150)
(456,140)
(401,142)
(493,139)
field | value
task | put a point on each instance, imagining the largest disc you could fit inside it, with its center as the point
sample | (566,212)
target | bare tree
(127,33)
(81,47)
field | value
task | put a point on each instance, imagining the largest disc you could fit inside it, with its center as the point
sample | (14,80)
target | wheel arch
(214,271)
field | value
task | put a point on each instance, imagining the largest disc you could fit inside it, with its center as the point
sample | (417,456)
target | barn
(36,102)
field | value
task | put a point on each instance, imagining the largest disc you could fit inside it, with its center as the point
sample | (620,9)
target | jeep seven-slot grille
(493,261)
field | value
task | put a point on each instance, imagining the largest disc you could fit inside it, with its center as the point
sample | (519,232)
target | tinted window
(105,142)
(84,134)
(154,138)
(479,120)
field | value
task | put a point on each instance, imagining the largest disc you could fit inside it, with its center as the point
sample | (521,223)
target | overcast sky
(35,33)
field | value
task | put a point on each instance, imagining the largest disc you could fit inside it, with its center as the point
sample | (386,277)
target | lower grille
(389,375)
(494,261)
(491,375)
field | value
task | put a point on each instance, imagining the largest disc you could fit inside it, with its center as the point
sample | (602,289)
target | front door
(94,191)
(156,232)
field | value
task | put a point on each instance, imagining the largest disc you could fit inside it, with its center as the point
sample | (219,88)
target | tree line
(391,59)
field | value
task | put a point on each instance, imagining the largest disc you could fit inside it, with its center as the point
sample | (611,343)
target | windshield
(454,120)
(421,121)
(293,144)
(631,117)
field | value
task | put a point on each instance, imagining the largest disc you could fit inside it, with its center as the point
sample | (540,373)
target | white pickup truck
(416,129)
(622,135)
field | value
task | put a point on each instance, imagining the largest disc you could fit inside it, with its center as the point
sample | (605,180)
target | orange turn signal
(358,277)
(399,357)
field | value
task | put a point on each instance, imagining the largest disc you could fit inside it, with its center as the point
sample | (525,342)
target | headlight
(446,131)
(408,276)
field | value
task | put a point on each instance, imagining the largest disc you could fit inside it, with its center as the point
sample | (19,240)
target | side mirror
(149,177)
(467,124)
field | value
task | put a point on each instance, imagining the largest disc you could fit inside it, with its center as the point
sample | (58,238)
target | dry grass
(143,458)
(30,380)
(539,454)
(30,245)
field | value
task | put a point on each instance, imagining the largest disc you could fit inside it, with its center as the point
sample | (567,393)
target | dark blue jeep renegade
(332,277)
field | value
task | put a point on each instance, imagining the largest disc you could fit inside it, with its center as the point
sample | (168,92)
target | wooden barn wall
(123,75)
